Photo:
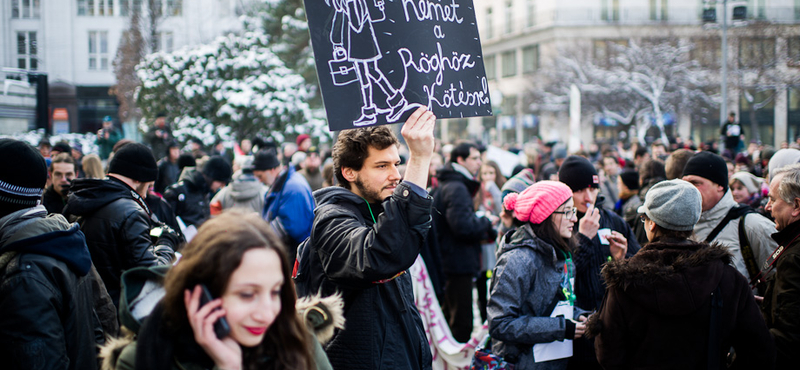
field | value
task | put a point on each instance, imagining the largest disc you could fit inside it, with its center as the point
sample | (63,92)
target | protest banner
(379,60)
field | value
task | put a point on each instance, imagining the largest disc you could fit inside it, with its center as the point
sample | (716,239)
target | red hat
(302,138)
(538,201)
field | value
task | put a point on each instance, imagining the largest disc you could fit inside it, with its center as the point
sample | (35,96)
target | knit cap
(217,169)
(630,179)
(265,160)
(519,182)
(135,161)
(783,158)
(708,166)
(673,205)
(23,174)
(578,173)
(750,181)
(538,201)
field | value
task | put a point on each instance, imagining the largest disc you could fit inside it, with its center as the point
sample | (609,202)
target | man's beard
(371,196)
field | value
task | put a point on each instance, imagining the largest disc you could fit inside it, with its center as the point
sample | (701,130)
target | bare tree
(129,54)
(635,84)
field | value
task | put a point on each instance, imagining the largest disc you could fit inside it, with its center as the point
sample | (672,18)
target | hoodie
(46,297)
(657,309)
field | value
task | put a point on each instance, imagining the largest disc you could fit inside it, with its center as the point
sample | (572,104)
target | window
(491,67)
(707,52)
(530,59)
(756,52)
(793,50)
(489,24)
(509,106)
(606,51)
(509,63)
(25,8)
(612,13)
(27,51)
(509,16)
(173,7)
(102,8)
(531,13)
(126,6)
(98,50)
(164,42)
(658,10)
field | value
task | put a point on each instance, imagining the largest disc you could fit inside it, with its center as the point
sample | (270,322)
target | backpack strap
(747,251)
(734,212)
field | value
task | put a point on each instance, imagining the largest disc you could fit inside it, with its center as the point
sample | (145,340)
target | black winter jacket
(656,312)
(189,198)
(349,253)
(781,306)
(117,229)
(52,201)
(459,230)
(46,303)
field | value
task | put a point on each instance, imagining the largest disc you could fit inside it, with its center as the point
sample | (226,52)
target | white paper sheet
(556,349)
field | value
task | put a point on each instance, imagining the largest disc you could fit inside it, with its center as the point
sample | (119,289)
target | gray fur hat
(673,205)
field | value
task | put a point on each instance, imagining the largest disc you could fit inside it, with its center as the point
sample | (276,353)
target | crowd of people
(159,255)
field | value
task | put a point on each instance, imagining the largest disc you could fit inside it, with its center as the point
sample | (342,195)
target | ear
(652,226)
(796,207)
(349,174)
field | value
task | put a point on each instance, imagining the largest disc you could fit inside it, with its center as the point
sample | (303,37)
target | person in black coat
(168,170)
(367,232)
(62,172)
(117,222)
(190,198)
(678,304)
(602,236)
(460,231)
(47,319)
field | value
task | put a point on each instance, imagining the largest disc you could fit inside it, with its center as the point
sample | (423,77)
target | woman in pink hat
(532,317)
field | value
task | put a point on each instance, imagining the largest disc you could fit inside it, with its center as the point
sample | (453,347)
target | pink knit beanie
(538,201)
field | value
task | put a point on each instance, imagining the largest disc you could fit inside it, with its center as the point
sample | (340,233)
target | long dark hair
(211,258)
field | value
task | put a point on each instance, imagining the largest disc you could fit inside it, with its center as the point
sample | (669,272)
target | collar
(786,235)
(720,209)
(462,170)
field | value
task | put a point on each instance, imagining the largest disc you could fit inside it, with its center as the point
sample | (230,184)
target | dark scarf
(158,346)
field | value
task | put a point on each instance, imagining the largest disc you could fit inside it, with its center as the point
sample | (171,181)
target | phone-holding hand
(580,329)
(226,353)
(618,245)
(590,223)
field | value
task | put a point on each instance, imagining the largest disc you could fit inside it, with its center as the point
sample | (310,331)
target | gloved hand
(170,238)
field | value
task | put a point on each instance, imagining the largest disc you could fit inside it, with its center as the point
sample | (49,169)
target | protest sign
(379,60)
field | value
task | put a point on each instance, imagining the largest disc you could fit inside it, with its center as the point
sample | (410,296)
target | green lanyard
(369,207)
(567,285)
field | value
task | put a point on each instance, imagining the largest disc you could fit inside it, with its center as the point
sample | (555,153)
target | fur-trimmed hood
(671,278)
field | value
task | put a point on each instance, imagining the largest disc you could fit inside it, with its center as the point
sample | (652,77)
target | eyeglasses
(568,213)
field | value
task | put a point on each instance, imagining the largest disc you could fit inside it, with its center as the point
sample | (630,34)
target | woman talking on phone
(531,303)
(243,266)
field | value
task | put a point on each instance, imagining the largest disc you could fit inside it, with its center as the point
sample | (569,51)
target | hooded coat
(459,230)
(366,258)
(46,299)
(656,312)
(117,229)
(189,198)
(245,192)
(525,289)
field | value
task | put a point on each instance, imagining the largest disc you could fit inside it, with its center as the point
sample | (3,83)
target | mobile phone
(221,327)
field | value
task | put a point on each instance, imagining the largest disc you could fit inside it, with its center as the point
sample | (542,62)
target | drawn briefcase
(343,72)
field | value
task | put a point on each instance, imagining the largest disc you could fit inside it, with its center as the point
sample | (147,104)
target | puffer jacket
(189,197)
(526,286)
(245,192)
(758,229)
(781,306)
(459,230)
(46,297)
(367,262)
(117,229)
(657,309)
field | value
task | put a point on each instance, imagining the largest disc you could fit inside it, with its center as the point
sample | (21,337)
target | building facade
(520,37)
(75,42)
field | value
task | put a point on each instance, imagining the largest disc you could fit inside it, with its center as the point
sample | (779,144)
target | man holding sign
(367,232)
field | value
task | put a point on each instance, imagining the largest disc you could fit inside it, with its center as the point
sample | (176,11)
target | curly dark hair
(352,148)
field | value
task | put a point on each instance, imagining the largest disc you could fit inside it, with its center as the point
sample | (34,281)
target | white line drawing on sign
(355,58)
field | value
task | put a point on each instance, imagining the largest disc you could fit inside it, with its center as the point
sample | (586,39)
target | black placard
(378,60)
